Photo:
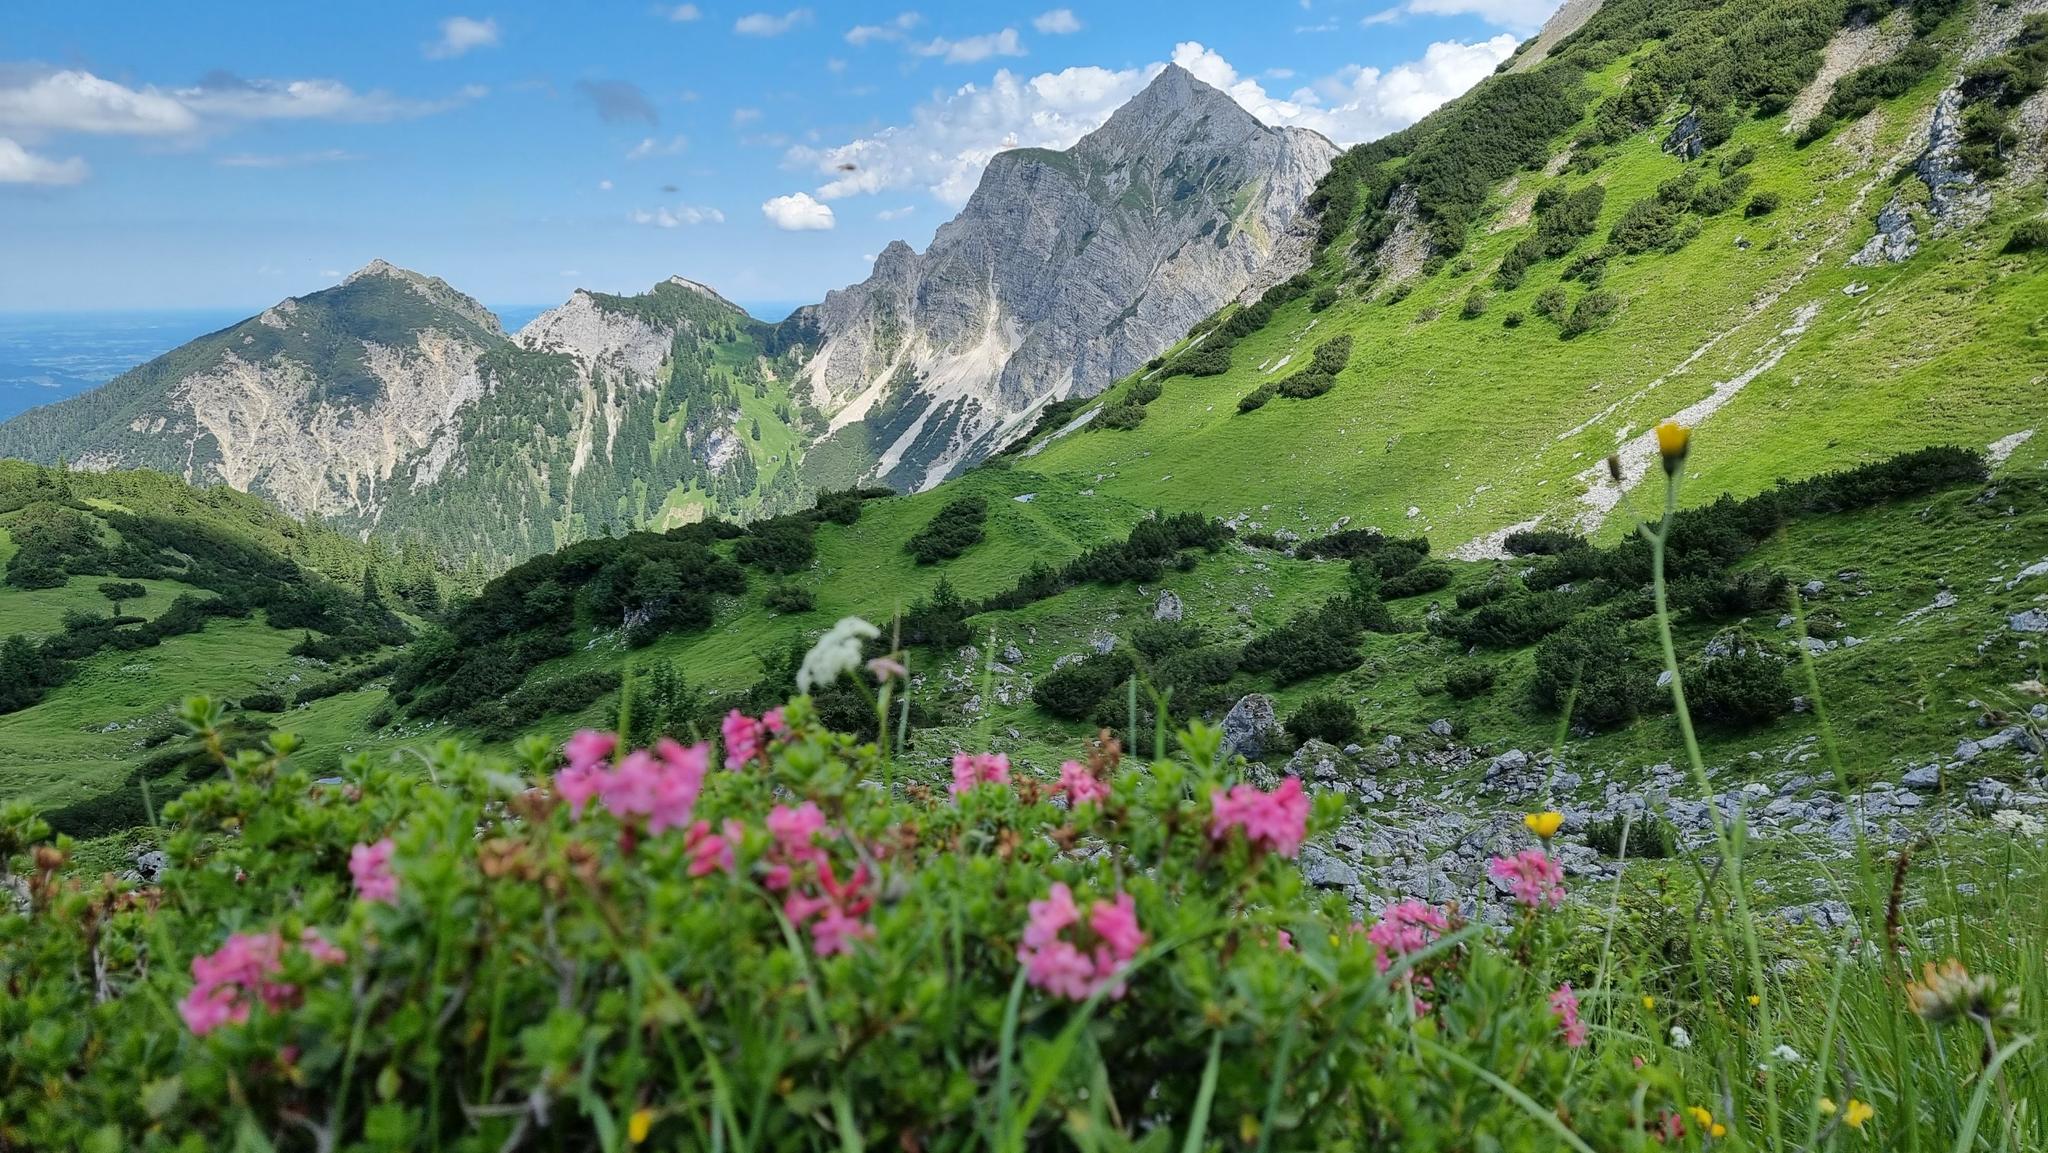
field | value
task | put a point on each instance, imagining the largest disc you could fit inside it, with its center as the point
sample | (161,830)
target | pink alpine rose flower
(1532,876)
(971,770)
(370,865)
(1275,822)
(1564,1004)
(744,738)
(1080,784)
(1062,966)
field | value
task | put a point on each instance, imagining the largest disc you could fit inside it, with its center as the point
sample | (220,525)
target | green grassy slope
(1476,425)
(117,708)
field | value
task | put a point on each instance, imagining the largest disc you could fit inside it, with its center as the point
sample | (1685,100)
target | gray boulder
(1251,728)
(1168,607)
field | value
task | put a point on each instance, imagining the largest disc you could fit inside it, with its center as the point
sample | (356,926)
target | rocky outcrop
(1065,271)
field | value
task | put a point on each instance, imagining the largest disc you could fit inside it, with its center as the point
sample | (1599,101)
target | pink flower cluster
(1404,928)
(1061,966)
(1275,821)
(658,787)
(1564,1004)
(370,866)
(1532,876)
(227,983)
(971,770)
(746,739)
(1081,785)
(712,852)
(815,897)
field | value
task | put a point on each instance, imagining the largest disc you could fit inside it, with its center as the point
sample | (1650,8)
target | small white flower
(1787,1054)
(1680,1039)
(835,654)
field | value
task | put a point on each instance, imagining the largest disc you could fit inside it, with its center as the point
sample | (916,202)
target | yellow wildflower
(638,1125)
(1705,1119)
(1755,1000)
(1826,1105)
(1649,1002)
(1673,439)
(1858,1113)
(1544,824)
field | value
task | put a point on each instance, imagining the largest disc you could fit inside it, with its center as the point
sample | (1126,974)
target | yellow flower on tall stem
(1673,439)
(1544,824)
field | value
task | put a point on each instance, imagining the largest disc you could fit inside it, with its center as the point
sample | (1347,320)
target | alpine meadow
(1497,601)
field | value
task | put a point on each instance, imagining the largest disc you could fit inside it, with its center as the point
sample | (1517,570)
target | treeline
(476,669)
(1576,602)
(941,620)
(58,542)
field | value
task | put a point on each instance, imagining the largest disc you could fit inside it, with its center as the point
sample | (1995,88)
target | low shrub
(2028,236)
(954,529)
(1467,679)
(790,599)
(1324,717)
(1762,204)
(1590,666)
(1645,837)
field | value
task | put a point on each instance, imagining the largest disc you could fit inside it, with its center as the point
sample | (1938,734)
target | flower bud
(1673,440)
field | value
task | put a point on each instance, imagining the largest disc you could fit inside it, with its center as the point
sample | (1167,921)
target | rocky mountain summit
(1065,271)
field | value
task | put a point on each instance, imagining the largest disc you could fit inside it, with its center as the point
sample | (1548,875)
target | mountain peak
(431,288)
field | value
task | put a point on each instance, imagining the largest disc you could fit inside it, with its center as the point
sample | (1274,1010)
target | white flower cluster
(2019,824)
(836,654)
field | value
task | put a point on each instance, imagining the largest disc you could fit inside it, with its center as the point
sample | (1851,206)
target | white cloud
(20,166)
(684,13)
(230,97)
(1354,103)
(745,116)
(677,217)
(285,159)
(74,101)
(973,48)
(896,213)
(797,212)
(1519,15)
(950,138)
(769,24)
(653,146)
(862,34)
(604,186)
(1058,22)
(461,34)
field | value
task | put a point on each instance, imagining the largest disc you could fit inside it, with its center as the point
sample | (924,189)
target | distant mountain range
(394,401)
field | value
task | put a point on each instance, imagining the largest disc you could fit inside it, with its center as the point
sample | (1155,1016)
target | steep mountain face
(1065,271)
(613,412)
(394,401)
(324,403)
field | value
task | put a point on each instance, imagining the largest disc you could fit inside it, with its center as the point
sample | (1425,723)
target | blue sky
(229,154)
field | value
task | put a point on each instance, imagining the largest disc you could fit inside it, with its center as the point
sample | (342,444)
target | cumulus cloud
(1519,15)
(1058,22)
(20,166)
(74,101)
(616,101)
(654,146)
(973,48)
(950,138)
(1356,104)
(769,24)
(798,212)
(678,216)
(684,13)
(862,34)
(896,213)
(460,35)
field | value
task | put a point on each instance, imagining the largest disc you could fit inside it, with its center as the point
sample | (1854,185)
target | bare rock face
(1066,271)
(321,402)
